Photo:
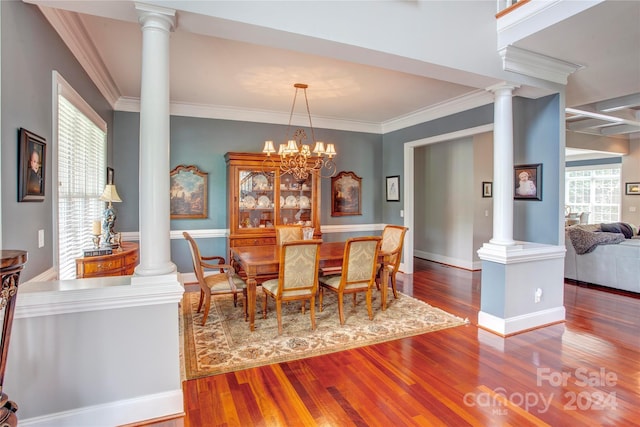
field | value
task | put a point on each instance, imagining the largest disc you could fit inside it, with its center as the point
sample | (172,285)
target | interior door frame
(409,176)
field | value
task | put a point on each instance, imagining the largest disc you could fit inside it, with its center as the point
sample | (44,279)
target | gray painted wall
(444,189)
(483,206)
(203,142)
(393,161)
(450,220)
(31,50)
(536,139)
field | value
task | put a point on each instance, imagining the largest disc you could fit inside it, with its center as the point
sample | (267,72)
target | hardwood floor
(585,371)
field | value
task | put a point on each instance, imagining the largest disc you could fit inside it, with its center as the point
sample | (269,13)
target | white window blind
(81,179)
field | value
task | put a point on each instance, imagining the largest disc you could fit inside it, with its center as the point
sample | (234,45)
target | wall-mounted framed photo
(393,188)
(188,193)
(346,191)
(632,188)
(528,182)
(31,172)
(487,189)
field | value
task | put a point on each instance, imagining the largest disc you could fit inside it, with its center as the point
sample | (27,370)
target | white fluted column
(503,166)
(155,248)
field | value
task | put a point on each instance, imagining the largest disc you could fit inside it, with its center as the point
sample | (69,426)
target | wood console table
(121,262)
(11,264)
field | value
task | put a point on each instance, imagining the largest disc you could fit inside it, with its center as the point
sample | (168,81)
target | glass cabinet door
(296,200)
(256,199)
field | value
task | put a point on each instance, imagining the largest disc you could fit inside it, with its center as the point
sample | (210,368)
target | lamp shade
(110,194)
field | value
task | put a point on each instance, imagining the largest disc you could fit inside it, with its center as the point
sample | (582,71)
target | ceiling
(604,39)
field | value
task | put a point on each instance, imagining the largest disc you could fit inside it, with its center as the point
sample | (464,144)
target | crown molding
(471,100)
(71,30)
(536,65)
(474,99)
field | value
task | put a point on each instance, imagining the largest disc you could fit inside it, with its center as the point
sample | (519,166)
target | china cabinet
(259,198)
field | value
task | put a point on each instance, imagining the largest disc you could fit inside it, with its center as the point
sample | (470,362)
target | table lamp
(110,194)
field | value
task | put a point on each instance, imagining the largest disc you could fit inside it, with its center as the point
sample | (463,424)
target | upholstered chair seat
(297,278)
(358,273)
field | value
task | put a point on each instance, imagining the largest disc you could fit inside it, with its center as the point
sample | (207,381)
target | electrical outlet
(41,238)
(401,213)
(538,295)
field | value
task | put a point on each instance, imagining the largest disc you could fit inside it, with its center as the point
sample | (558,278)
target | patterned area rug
(225,343)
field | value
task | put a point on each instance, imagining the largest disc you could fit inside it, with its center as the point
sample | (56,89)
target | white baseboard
(521,323)
(45,276)
(455,262)
(114,413)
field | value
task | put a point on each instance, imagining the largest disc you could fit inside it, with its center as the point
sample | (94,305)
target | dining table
(257,264)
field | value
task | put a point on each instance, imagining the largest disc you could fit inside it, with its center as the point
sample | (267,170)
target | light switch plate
(41,238)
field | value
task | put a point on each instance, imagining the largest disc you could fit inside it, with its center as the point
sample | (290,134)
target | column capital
(503,87)
(156,17)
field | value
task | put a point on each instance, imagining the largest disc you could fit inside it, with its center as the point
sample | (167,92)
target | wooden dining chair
(287,233)
(224,281)
(297,278)
(392,243)
(358,272)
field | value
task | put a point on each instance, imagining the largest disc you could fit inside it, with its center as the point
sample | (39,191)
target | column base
(168,268)
(519,324)
(522,287)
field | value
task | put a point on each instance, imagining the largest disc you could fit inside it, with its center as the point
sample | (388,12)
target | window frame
(595,167)
(61,87)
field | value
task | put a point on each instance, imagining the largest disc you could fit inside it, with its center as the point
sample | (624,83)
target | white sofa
(615,265)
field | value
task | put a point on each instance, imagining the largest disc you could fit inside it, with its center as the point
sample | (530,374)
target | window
(81,160)
(594,189)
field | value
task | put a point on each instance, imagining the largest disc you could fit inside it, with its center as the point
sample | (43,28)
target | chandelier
(296,157)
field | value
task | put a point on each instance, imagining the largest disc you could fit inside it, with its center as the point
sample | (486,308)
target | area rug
(225,344)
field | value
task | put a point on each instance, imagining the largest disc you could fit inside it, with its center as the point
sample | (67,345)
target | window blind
(81,179)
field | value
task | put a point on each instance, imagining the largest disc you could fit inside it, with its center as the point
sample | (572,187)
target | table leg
(251,298)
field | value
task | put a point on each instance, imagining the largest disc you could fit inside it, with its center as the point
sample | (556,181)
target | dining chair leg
(279,316)
(354,298)
(320,292)
(312,313)
(246,308)
(264,305)
(201,299)
(303,306)
(207,304)
(235,299)
(369,308)
(340,308)
(393,286)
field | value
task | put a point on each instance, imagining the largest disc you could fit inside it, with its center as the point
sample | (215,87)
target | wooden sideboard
(120,263)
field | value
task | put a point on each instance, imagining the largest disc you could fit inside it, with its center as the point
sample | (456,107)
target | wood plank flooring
(583,372)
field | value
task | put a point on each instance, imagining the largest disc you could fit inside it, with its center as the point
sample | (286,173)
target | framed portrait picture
(31,172)
(393,188)
(346,191)
(632,188)
(188,193)
(487,189)
(528,182)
